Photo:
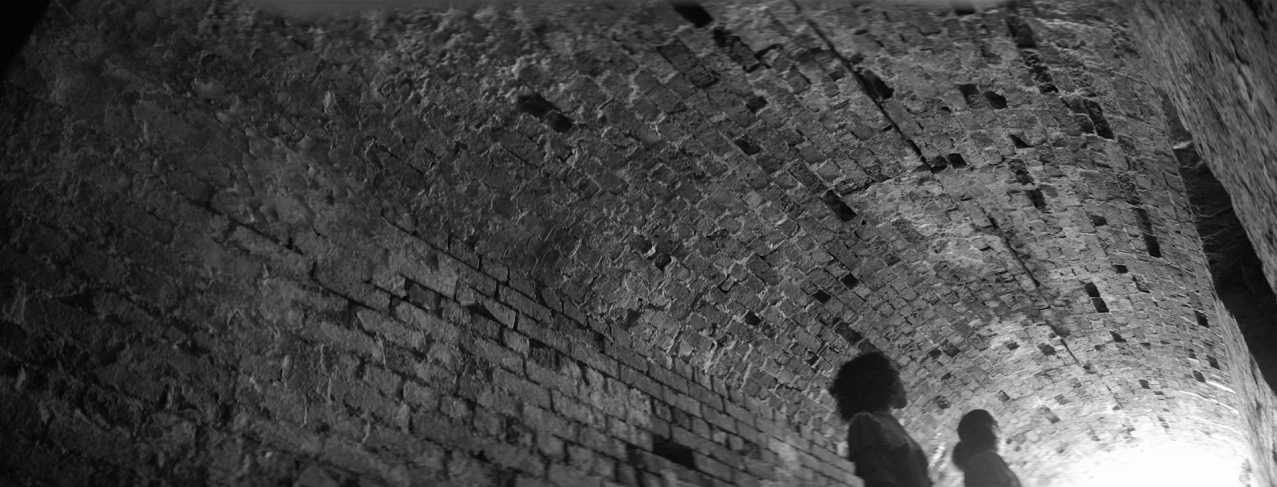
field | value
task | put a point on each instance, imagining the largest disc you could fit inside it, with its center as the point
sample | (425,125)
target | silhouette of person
(866,389)
(976,453)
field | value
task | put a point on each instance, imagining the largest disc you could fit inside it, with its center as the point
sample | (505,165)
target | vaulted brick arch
(603,244)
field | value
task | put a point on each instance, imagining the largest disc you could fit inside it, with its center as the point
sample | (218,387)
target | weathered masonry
(601,244)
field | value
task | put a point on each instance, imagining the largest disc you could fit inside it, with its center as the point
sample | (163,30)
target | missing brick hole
(876,87)
(1198,376)
(674,452)
(1144,384)
(1121,269)
(1117,338)
(1091,290)
(1201,319)
(559,122)
(850,281)
(661,259)
(1018,142)
(1039,201)
(755,103)
(956,161)
(748,147)
(1098,221)
(1050,415)
(1022,175)
(736,49)
(836,205)
(971,94)
(995,100)
(480,310)
(1100,305)
(693,12)
(534,104)
(1154,248)
(937,164)
(950,349)
(1101,123)
(752,319)
(821,296)
(847,333)
(1021,33)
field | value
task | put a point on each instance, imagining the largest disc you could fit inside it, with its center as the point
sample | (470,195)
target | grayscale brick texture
(619,244)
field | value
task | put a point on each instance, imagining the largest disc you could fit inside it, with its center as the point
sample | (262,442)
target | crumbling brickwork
(604,244)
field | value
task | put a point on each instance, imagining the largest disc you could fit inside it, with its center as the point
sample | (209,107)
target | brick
(544,334)
(705,396)
(524,304)
(713,467)
(346,339)
(350,456)
(449,227)
(683,402)
(550,378)
(524,481)
(668,378)
(428,323)
(596,439)
(515,458)
(378,324)
(548,422)
(641,382)
(625,356)
(590,355)
(285,261)
(684,60)
(344,279)
(425,265)
(434,427)
(494,353)
(525,391)
(421,396)
(721,420)
(404,446)
(574,410)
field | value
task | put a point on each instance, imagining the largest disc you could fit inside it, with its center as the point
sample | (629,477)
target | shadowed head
(977,432)
(868,382)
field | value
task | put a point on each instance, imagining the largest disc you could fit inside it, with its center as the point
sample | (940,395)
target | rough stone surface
(603,244)
(1217,62)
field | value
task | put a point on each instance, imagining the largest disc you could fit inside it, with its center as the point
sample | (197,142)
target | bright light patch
(1164,464)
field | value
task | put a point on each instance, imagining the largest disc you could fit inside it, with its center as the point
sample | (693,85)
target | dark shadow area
(1236,271)
(693,12)
(19,19)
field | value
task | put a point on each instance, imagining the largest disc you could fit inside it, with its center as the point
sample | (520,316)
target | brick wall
(1215,61)
(603,244)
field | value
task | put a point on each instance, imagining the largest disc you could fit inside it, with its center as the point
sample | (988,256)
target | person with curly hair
(866,389)
(976,453)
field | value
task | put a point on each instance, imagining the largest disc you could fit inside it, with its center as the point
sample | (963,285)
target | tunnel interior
(615,244)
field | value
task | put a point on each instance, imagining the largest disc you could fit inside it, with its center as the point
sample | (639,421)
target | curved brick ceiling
(740,196)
